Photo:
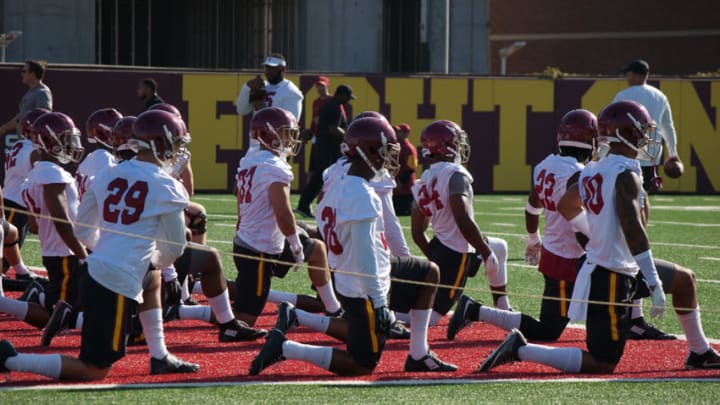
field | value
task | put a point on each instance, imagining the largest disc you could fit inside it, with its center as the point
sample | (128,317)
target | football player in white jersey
(619,264)
(444,197)
(352,225)
(98,129)
(558,255)
(140,198)
(266,224)
(50,192)
(19,161)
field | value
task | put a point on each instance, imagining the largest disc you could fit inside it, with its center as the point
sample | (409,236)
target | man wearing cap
(332,122)
(636,74)
(402,195)
(275,91)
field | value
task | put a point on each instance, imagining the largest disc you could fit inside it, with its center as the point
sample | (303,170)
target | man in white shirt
(636,73)
(275,91)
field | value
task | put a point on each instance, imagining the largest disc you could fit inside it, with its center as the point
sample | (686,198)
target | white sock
(327,295)
(503,303)
(277,297)
(696,340)
(220,305)
(197,312)
(20,268)
(41,299)
(184,293)
(2,294)
(637,310)
(419,318)
(48,365)
(197,288)
(315,322)
(79,321)
(321,356)
(568,359)
(435,317)
(503,319)
(152,325)
(16,308)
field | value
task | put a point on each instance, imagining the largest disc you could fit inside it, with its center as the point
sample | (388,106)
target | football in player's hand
(674,167)
(256,84)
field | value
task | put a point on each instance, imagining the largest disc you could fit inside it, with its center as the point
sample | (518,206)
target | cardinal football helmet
(100,124)
(277,130)
(445,140)
(367,136)
(57,135)
(161,132)
(578,129)
(122,133)
(370,114)
(27,120)
(166,107)
(630,123)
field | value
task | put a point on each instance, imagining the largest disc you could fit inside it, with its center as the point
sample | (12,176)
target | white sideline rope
(339,271)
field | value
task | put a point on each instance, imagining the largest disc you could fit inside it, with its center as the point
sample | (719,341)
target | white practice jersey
(432,196)
(133,198)
(93,164)
(607,246)
(384,189)
(51,244)
(17,167)
(258,226)
(351,222)
(550,180)
(285,95)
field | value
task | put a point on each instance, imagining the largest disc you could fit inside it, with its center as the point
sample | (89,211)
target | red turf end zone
(228,362)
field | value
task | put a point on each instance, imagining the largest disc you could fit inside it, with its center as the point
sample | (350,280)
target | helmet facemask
(67,145)
(462,154)
(286,140)
(93,139)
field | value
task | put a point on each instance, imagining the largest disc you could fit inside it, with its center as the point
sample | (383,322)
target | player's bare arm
(56,202)
(419,224)
(187,179)
(627,188)
(467,226)
(532,221)
(571,208)
(280,203)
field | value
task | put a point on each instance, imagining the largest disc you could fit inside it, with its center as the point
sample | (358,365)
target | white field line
(663,199)
(504,224)
(708,208)
(221,199)
(352,383)
(715,259)
(702,225)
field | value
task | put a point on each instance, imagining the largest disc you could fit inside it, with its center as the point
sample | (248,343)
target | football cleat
(270,353)
(507,352)
(171,365)
(708,360)
(6,350)
(32,292)
(399,331)
(190,302)
(337,314)
(641,330)
(305,213)
(459,320)
(239,331)
(59,322)
(287,318)
(428,363)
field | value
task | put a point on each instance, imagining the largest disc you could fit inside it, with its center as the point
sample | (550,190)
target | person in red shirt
(321,85)
(402,194)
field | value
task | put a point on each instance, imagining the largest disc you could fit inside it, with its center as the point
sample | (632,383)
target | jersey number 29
(133,198)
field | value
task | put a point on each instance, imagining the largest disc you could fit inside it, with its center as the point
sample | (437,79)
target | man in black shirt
(332,122)
(147,92)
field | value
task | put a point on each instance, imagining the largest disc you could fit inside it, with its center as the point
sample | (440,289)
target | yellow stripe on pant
(461,273)
(371,324)
(261,268)
(119,312)
(66,279)
(563,297)
(611,308)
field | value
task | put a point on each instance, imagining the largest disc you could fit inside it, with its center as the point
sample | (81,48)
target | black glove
(382,320)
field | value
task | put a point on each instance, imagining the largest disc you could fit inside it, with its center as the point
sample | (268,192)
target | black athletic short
(454,270)
(553,312)
(364,344)
(404,295)
(14,215)
(105,326)
(666,272)
(254,273)
(607,324)
(62,275)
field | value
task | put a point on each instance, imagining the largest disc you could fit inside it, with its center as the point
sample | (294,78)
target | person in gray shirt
(37,96)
